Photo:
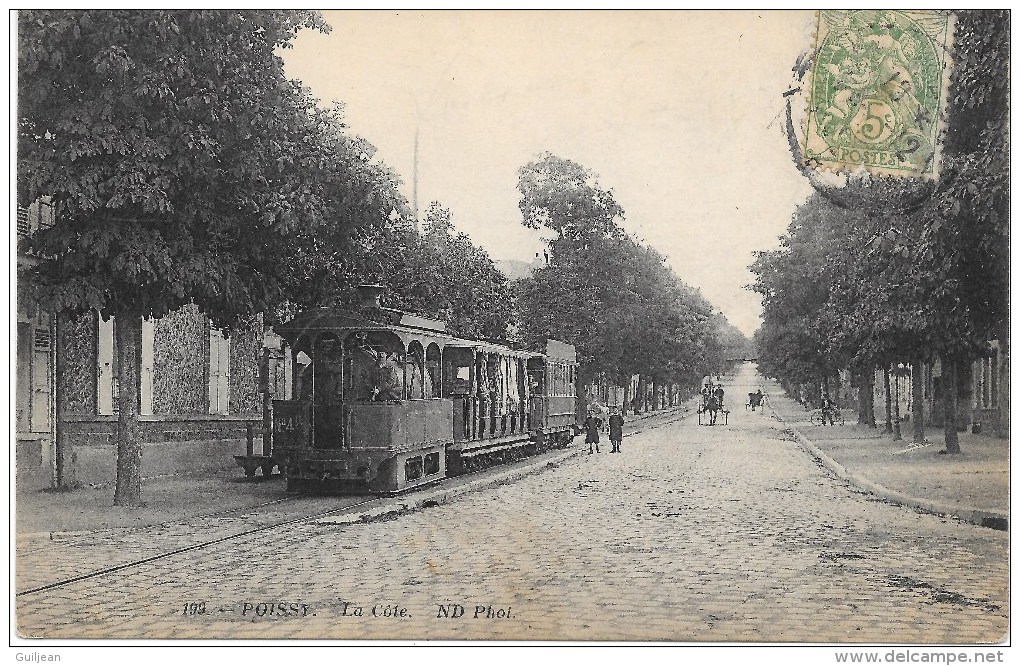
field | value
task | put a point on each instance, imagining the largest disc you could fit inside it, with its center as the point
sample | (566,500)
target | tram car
(385,400)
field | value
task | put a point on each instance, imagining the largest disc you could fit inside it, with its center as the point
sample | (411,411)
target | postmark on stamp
(877,91)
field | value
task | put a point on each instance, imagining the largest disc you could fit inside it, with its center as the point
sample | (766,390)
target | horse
(754,400)
(713,409)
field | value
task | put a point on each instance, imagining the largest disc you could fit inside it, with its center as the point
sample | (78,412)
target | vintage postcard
(475,327)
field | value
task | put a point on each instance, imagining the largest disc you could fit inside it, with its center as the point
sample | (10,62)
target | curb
(391,508)
(427,499)
(988,519)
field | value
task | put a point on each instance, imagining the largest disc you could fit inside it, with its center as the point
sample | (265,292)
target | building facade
(200,389)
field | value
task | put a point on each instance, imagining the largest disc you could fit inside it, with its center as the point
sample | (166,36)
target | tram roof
(327,319)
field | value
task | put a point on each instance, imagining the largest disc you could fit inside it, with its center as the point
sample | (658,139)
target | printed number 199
(194,608)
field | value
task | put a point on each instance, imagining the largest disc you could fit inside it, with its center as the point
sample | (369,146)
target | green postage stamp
(877,91)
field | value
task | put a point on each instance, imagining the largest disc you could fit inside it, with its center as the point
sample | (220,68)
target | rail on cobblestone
(387,507)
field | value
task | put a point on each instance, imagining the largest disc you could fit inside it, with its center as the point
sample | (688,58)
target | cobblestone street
(693,533)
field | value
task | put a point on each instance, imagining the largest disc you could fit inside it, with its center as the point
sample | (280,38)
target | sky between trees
(677,112)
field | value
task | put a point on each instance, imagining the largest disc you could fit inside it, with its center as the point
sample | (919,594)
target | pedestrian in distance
(828,410)
(591,429)
(616,430)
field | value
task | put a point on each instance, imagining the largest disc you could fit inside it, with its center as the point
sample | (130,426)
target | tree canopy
(613,298)
(175,152)
(862,279)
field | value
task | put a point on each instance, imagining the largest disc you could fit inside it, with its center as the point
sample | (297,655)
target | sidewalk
(973,486)
(181,497)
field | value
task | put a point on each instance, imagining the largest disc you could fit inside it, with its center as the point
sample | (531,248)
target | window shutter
(23,227)
(105,372)
(148,339)
(219,372)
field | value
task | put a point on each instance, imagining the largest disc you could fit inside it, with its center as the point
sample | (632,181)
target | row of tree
(615,299)
(860,284)
(184,167)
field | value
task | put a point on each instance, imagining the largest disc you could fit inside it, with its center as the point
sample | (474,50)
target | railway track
(203,544)
(358,501)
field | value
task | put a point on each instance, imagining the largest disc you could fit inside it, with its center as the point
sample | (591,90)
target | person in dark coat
(828,410)
(591,429)
(719,394)
(616,430)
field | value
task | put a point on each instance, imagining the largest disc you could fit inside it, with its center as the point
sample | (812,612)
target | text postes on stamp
(877,91)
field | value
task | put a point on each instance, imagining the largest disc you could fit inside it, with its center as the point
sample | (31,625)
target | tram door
(327,387)
(537,380)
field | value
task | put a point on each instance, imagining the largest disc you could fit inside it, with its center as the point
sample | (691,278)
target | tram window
(432,464)
(413,469)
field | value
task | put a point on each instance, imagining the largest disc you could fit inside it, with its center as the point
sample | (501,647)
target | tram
(385,400)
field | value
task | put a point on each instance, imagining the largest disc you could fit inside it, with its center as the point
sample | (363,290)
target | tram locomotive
(387,400)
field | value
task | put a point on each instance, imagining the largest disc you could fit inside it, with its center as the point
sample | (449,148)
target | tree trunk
(949,403)
(639,399)
(626,398)
(888,400)
(964,394)
(897,432)
(128,332)
(64,469)
(917,399)
(870,383)
(866,398)
(862,400)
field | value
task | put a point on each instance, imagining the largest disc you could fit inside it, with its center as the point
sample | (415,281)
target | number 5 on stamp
(877,91)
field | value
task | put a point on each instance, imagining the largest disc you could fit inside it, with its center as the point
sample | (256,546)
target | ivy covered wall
(181,363)
(76,389)
(245,351)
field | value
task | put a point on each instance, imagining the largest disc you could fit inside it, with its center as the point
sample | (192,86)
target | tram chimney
(369,295)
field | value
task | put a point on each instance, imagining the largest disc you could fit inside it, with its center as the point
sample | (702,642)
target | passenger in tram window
(321,378)
(304,381)
(389,378)
(415,378)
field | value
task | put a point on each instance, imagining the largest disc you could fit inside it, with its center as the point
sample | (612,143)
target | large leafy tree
(177,156)
(471,294)
(616,300)
(439,273)
(963,235)
(794,282)
(924,269)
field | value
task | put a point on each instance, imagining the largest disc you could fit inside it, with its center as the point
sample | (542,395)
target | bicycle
(818,419)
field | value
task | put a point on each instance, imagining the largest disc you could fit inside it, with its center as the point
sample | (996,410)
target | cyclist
(828,410)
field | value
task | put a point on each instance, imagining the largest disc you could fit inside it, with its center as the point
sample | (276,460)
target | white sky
(676,112)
